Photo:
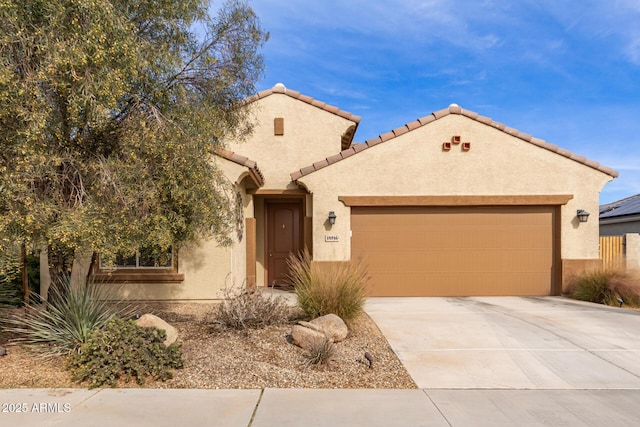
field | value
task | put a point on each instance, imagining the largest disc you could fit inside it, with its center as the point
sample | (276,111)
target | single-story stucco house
(452,204)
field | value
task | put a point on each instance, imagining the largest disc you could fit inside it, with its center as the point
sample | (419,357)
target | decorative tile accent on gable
(446,146)
(278,126)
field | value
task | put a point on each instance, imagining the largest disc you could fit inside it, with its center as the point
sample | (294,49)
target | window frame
(169,274)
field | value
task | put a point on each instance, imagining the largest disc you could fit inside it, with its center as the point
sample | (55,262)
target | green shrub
(251,310)
(606,286)
(324,288)
(67,320)
(124,350)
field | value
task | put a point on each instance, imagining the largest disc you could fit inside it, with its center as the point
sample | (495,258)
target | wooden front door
(283,238)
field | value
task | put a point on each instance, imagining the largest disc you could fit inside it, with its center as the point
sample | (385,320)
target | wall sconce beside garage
(583,216)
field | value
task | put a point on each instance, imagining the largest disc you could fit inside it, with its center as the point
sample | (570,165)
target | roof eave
(437,115)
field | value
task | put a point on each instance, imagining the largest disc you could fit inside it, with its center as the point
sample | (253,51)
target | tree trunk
(80,269)
(45,274)
(25,277)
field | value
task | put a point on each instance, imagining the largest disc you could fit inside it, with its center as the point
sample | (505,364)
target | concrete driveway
(511,342)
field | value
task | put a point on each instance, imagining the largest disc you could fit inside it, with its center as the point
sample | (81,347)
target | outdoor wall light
(332,217)
(583,215)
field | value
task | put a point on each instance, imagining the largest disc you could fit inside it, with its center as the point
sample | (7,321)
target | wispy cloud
(563,71)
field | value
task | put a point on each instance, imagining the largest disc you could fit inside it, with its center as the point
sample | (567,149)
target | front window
(146,258)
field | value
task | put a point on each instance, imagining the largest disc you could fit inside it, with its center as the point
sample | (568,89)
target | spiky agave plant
(63,324)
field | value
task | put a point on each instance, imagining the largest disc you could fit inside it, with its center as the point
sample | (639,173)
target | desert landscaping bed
(218,358)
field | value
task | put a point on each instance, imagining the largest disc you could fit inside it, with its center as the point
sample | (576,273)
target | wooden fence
(612,252)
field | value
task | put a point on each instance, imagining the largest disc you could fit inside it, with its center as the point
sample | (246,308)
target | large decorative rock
(149,320)
(332,326)
(306,334)
(306,338)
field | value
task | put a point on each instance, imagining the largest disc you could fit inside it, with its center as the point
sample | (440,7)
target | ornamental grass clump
(72,314)
(607,287)
(332,287)
(122,350)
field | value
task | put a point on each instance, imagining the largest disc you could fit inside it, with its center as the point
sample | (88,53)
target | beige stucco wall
(310,134)
(415,164)
(411,164)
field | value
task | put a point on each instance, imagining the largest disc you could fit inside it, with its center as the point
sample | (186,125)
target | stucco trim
(454,109)
(142,277)
(516,200)
(250,252)
(277,192)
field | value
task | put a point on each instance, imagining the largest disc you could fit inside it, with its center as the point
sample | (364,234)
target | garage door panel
(455,285)
(455,251)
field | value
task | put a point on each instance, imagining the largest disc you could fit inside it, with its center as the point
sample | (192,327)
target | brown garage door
(455,251)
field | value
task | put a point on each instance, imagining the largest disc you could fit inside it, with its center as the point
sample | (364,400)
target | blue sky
(564,71)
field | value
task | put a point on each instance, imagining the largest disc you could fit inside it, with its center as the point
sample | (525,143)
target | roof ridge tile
(441,113)
(281,89)
(242,161)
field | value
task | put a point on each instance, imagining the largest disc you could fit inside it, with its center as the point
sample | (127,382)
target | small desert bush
(68,319)
(337,288)
(322,351)
(124,350)
(607,286)
(251,310)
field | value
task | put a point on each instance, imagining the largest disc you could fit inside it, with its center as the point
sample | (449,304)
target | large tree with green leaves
(109,113)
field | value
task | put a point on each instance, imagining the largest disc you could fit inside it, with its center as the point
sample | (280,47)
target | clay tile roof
(454,109)
(280,88)
(255,172)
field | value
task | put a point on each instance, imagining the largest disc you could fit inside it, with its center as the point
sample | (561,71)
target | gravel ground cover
(220,359)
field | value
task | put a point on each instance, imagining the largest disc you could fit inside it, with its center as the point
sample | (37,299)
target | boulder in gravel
(332,326)
(306,338)
(149,320)
(306,334)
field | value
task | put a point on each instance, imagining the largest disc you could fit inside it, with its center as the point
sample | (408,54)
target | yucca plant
(65,323)
(337,288)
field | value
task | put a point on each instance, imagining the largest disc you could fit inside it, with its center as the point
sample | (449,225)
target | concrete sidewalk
(305,407)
